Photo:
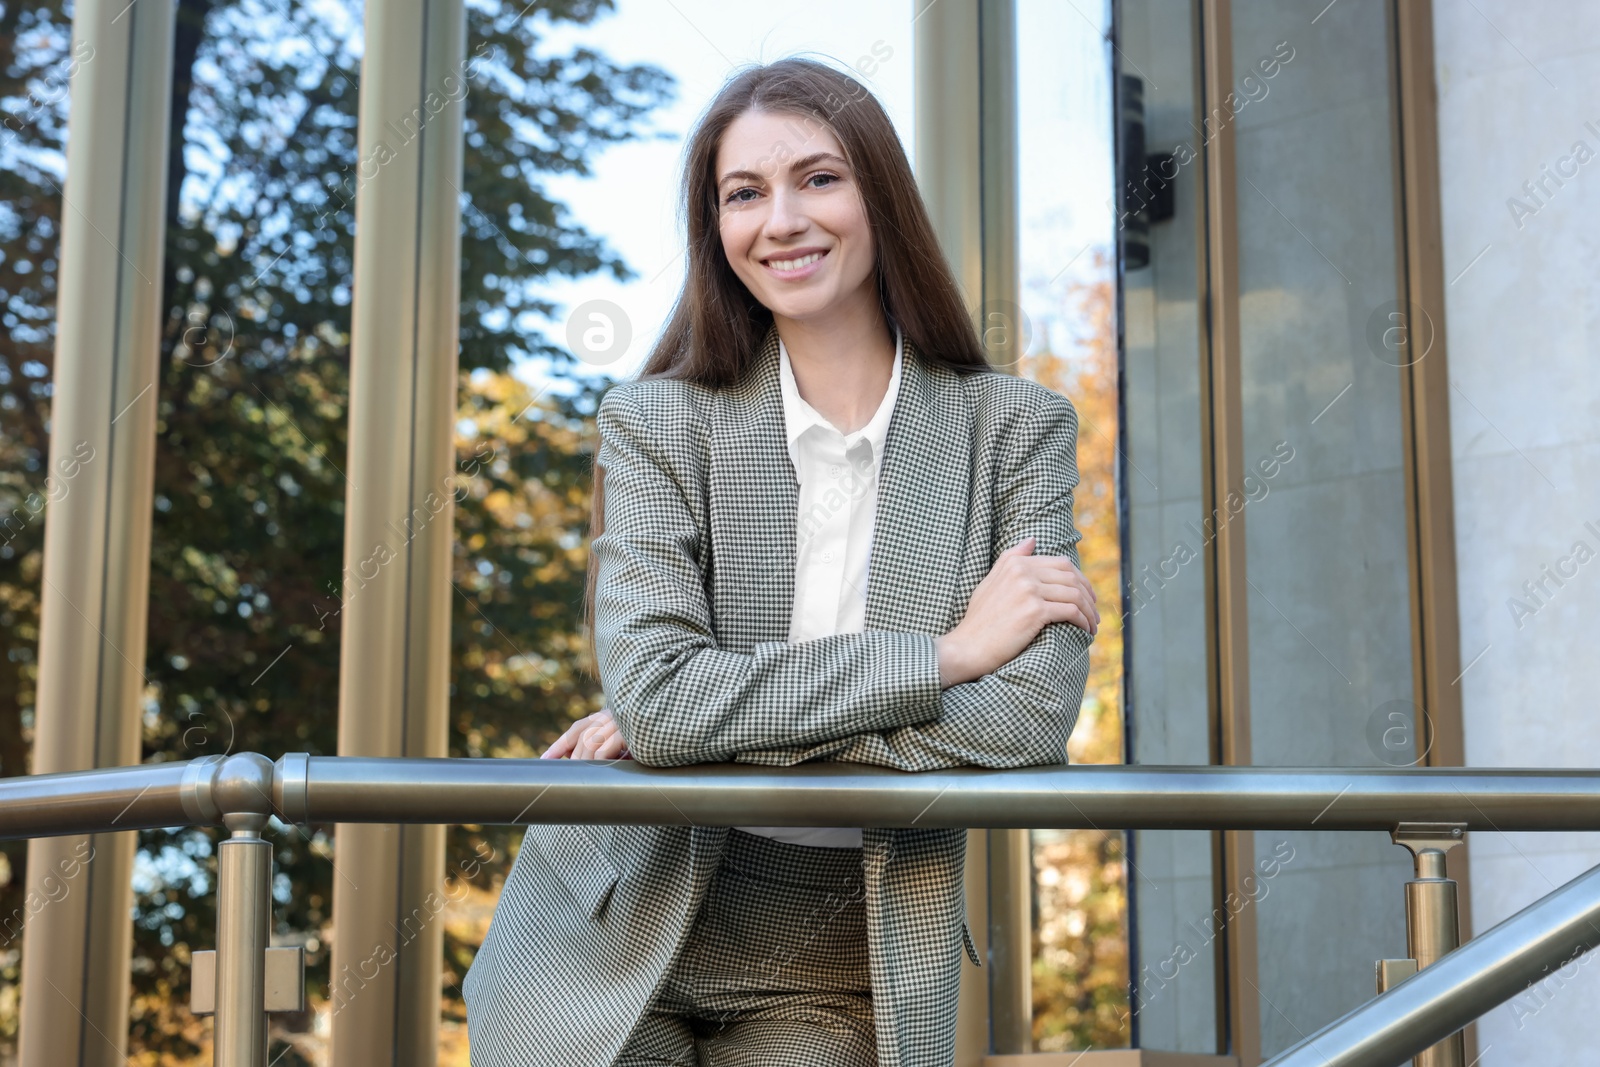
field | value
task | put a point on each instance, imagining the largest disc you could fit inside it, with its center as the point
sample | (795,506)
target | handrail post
(244,886)
(242,789)
(1433,925)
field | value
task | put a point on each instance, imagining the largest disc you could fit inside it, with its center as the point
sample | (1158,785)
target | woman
(818,393)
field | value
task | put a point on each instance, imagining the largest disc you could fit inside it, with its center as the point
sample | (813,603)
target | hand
(591,737)
(1020,596)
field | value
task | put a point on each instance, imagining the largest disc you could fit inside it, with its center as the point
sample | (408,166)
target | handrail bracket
(1433,925)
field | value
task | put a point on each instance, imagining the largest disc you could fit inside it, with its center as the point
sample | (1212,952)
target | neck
(842,366)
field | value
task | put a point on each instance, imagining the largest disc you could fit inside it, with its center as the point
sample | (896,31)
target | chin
(799,309)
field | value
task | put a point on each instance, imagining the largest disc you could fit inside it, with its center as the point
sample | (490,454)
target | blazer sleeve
(1021,714)
(677,697)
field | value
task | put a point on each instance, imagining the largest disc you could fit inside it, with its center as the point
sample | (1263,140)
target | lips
(807,258)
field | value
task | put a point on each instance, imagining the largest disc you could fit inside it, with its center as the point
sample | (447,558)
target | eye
(823,174)
(733,197)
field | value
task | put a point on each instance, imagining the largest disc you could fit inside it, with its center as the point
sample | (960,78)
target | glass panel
(1330,624)
(1064,247)
(1176,941)
(251,460)
(1064,116)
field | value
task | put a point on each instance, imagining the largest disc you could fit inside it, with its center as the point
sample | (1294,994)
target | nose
(785,216)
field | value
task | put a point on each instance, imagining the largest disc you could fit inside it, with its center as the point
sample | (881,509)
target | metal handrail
(243,791)
(301,788)
(1461,985)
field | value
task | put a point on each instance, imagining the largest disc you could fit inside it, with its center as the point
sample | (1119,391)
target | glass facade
(1249,282)
(1329,619)
(1264,310)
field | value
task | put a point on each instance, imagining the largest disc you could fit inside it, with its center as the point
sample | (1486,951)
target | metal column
(1003,332)
(396,590)
(946,113)
(1433,924)
(244,902)
(97,530)
(1223,471)
(966,164)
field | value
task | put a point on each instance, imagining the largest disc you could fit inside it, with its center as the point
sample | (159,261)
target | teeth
(794,264)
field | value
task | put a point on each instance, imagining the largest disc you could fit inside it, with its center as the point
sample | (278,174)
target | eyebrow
(799,164)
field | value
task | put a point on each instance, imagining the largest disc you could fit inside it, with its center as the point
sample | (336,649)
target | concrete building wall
(1519,146)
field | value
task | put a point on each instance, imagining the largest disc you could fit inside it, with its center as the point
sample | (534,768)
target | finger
(570,740)
(1072,594)
(562,748)
(1063,592)
(1082,578)
(611,747)
(591,741)
(1073,609)
(1062,570)
(1076,616)
(1091,625)
(600,737)
(574,735)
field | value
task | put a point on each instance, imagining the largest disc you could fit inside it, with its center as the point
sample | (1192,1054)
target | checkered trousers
(774,969)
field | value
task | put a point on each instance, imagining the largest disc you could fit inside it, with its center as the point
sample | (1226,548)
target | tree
(247,547)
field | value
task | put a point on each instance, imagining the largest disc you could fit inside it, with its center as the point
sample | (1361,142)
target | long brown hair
(717,326)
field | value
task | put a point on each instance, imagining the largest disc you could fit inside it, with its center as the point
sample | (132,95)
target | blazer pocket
(579,862)
(972,951)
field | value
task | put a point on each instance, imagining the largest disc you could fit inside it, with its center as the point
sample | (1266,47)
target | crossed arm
(871,697)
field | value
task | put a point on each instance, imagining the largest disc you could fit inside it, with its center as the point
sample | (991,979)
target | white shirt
(838,478)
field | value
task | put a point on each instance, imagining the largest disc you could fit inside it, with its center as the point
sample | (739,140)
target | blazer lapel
(923,488)
(918,532)
(754,500)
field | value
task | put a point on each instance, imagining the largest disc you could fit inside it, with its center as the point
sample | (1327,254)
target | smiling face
(793,224)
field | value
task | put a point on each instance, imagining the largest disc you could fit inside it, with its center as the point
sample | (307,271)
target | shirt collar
(799,416)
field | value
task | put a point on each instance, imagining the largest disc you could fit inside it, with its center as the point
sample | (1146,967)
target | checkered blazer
(695,584)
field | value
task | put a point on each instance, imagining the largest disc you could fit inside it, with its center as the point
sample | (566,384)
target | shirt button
(827,557)
(834,470)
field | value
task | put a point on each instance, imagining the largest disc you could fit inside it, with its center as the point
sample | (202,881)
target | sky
(631,198)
